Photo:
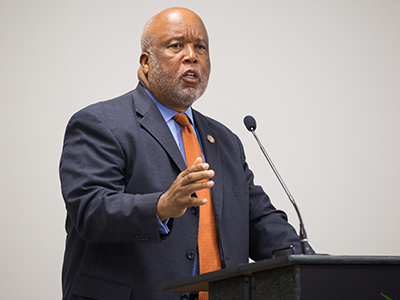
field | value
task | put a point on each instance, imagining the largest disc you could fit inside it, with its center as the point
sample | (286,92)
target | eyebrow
(182,37)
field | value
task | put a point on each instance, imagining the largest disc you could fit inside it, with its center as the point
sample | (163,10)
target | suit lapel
(211,146)
(154,123)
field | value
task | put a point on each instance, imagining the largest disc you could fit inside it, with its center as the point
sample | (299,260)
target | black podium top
(201,282)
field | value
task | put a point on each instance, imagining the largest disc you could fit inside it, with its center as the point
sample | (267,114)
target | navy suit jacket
(118,157)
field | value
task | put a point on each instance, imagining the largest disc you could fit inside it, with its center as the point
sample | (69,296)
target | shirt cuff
(162,226)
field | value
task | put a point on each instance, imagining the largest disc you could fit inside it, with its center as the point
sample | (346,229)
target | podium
(301,277)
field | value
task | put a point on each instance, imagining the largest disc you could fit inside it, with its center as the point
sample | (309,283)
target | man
(133,204)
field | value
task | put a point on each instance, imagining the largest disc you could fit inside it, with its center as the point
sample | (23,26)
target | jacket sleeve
(92,175)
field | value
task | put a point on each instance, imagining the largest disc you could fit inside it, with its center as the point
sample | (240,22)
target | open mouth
(190,75)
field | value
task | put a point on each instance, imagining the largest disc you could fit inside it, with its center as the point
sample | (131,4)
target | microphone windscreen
(250,123)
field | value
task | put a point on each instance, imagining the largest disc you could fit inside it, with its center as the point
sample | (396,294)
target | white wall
(321,78)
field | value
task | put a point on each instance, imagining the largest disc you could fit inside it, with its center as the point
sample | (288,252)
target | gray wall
(321,78)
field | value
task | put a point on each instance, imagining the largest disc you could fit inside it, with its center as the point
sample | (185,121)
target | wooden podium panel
(304,277)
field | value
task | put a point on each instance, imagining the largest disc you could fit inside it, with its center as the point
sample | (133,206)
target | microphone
(251,126)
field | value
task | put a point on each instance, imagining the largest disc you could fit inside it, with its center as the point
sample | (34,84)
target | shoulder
(109,109)
(207,124)
(115,116)
(116,110)
(212,124)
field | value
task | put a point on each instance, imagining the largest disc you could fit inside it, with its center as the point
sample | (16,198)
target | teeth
(190,74)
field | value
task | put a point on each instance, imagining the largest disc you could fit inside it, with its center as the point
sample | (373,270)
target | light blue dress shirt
(176,129)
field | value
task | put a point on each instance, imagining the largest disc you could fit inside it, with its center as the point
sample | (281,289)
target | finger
(198,160)
(199,166)
(197,176)
(201,185)
(184,187)
(195,187)
(194,201)
(195,173)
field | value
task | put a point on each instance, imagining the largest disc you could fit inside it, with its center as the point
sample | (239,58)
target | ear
(143,71)
(144,63)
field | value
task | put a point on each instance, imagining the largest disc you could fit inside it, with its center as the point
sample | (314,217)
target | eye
(175,46)
(201,47)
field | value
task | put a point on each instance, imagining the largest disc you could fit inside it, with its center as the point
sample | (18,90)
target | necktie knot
(182,119)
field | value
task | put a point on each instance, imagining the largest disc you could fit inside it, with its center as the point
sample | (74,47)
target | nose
(190,54)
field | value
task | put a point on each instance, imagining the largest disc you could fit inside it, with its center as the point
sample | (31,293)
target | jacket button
(184,297)
(190,254)
(194,210)
(133,238)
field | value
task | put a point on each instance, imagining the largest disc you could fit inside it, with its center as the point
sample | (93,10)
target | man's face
(179,64)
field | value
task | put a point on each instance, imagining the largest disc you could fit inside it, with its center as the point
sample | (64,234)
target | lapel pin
(210,139)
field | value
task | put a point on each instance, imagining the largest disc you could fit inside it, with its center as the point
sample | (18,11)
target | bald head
(175,64)
(170,15)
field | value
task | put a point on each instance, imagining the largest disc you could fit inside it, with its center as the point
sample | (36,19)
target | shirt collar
(169,113)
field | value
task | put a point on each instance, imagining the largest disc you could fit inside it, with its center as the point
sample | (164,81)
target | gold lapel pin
(210,139)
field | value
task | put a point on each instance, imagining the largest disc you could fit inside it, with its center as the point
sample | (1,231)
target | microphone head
(250,123)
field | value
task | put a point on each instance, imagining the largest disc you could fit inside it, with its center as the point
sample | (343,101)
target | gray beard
(169,86)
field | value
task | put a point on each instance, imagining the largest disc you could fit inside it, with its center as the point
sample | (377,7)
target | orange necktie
(207,241)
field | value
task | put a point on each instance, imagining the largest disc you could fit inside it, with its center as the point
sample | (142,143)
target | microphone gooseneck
(251,126)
